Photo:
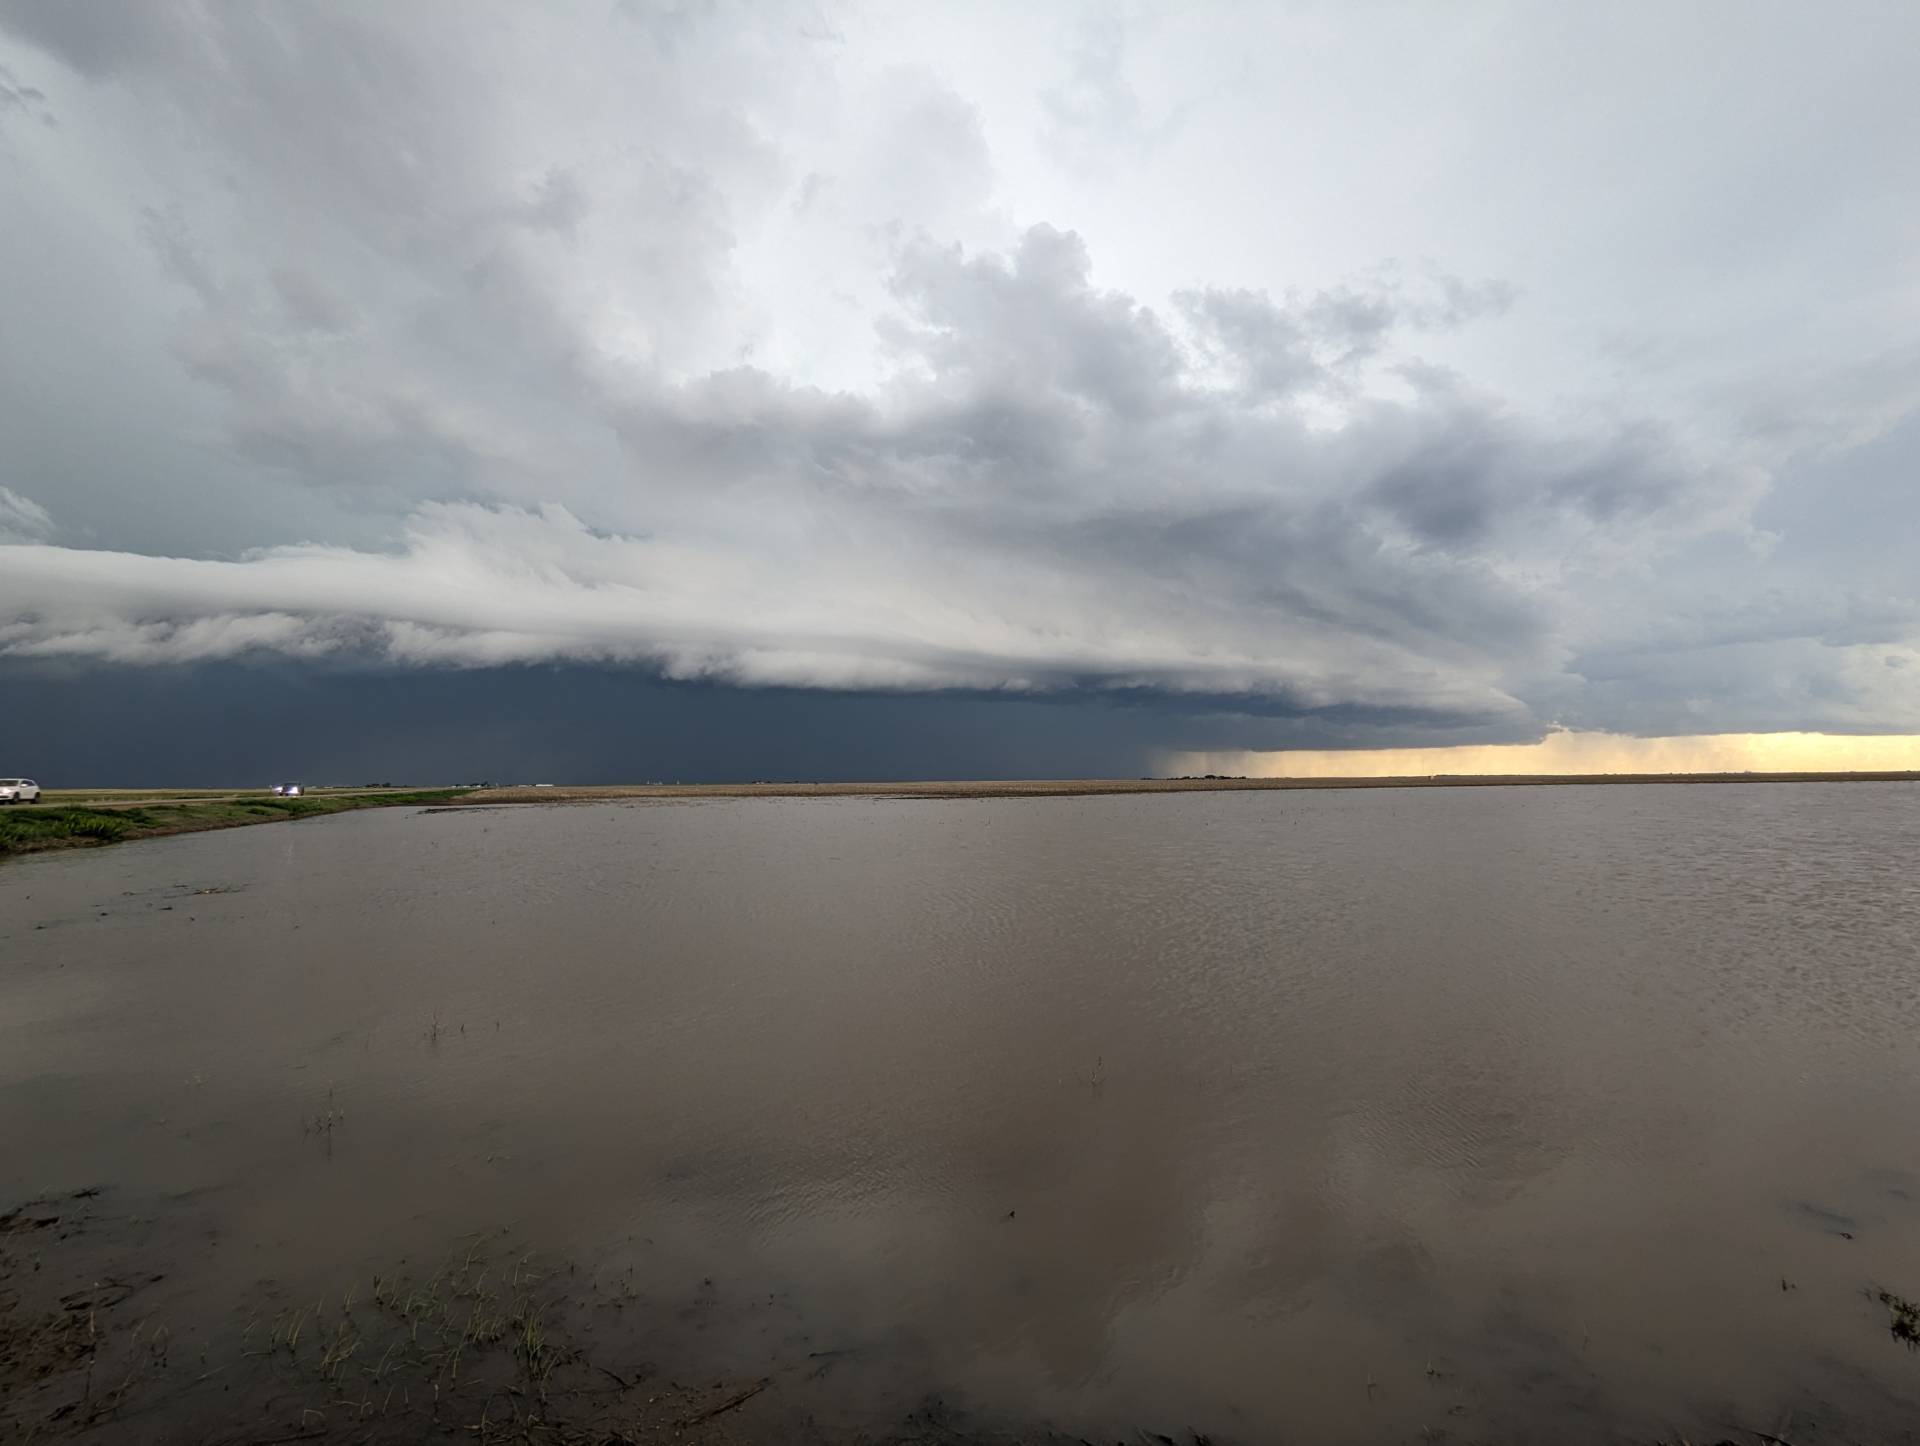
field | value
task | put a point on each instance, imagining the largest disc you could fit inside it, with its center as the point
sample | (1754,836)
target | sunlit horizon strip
(1568,752)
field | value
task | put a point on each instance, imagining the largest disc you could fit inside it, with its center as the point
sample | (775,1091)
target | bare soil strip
(1084,787)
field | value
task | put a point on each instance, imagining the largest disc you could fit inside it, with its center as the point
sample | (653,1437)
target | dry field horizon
(1082,787)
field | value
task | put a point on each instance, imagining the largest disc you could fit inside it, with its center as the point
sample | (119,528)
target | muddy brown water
(1497,1114)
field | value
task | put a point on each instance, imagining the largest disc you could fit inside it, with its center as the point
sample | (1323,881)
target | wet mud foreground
(487,1344)
(105,1338)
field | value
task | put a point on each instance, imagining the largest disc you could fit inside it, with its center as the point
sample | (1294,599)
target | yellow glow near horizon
(1570,752)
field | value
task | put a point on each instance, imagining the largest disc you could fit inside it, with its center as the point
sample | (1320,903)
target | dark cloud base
(250,724)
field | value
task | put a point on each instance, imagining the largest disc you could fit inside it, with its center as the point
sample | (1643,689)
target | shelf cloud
(773,347)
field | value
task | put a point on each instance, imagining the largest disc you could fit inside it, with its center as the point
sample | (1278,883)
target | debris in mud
(486,1348)
(1905,1325)
(37,1347)
(1831,1222)
(738,1398)
(106,1293)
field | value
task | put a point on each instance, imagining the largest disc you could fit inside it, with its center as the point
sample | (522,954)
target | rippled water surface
(1516,1114)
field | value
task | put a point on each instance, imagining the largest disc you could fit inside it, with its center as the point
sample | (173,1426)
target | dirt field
(1079,787)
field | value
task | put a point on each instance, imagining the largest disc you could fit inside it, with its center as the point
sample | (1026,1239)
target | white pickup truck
(19,790)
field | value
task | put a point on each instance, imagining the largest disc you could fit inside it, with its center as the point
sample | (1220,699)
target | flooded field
(1501,1115)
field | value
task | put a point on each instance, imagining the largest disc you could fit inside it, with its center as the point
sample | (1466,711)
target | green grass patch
(25,828)
(134,795)
(29,828)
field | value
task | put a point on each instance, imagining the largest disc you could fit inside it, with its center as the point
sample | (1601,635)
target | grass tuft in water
(1905,1322)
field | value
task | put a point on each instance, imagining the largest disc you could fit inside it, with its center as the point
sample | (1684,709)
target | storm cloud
(1121,356)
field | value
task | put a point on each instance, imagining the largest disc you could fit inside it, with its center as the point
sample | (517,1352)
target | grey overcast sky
(1169,377)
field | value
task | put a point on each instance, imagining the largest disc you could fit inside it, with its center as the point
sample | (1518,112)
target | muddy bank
(104,1338)
(36,828)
